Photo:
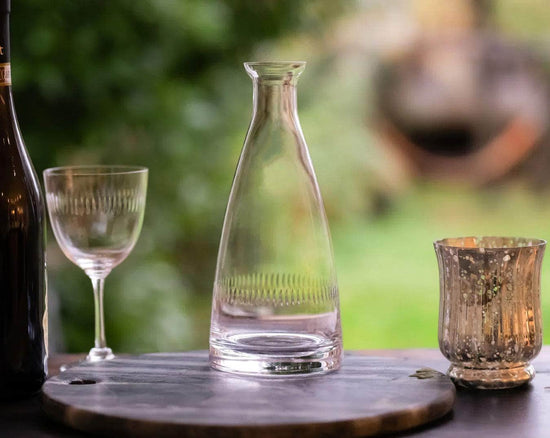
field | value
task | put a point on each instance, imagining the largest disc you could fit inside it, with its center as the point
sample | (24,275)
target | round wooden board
(179,395)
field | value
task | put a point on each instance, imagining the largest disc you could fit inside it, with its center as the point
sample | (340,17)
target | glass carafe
(275,302)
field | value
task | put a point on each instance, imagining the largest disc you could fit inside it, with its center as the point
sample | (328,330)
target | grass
(387,269)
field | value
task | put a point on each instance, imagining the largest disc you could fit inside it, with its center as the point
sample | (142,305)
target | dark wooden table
(521,412)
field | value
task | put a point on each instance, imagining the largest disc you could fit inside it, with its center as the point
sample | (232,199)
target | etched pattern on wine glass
(112,219)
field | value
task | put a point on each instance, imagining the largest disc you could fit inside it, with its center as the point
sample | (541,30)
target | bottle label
(5,74)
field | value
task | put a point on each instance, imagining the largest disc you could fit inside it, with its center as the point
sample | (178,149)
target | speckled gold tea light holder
(490,324)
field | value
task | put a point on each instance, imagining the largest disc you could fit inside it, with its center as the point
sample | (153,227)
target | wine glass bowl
(96,213)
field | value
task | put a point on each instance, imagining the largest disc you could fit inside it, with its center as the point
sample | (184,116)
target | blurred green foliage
(160,83)
(157,83)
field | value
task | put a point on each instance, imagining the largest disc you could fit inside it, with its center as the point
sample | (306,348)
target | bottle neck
(5,67)
(275,99)
(4,36)
(6,98)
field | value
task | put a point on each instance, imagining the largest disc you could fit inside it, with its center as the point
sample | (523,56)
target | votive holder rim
(452,242)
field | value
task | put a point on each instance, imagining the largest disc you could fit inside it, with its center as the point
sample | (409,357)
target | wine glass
(96,214)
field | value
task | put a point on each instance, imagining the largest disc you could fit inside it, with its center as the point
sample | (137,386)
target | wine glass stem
(98,283)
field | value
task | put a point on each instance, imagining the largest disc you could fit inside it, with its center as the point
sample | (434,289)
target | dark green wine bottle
(22,263)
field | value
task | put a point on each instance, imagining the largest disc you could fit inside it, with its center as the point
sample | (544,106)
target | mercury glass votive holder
(490,324)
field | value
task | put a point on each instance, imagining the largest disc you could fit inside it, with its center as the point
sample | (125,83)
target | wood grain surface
(177,394)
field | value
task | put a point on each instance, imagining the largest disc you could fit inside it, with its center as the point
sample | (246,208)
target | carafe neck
(273,99)
(275,88)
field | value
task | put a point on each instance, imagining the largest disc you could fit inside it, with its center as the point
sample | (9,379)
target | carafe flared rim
(274,69)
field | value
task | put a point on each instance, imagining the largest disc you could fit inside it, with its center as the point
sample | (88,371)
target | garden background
(160,83)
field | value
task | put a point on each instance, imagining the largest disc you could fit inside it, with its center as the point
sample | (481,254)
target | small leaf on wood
(426,373)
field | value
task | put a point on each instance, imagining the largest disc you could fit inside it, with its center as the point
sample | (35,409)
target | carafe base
(275,354)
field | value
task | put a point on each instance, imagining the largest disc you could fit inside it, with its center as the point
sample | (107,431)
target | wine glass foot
(99,354)
(95,355)
(68,366)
